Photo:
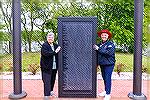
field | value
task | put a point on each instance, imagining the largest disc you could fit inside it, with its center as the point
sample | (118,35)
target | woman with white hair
(49,64)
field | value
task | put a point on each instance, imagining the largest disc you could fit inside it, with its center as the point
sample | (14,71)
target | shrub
(1,68)
(33,68)
(10,67)
(120,67)
(144,69)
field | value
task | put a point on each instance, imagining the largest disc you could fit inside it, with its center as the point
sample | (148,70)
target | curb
(37,76)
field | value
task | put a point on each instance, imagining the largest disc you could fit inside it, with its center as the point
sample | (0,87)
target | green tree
(39,13)
(7,19)
(1,33)
(28,9)
(67,9)
(118,18)
(146,26)
(31,12)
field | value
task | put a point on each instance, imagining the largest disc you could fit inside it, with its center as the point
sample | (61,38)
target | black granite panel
(77,64)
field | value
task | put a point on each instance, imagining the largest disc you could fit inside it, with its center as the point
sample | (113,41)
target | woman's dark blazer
(47,54)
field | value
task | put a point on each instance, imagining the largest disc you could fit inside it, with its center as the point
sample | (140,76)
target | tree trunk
(10,47)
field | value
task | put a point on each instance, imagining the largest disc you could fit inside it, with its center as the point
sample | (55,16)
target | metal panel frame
(76,93)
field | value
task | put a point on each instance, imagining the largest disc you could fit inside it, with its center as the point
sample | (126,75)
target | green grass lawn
(127,60)
(34,58)
(27,59)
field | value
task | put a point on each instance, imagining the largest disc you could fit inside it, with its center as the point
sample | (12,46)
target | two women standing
(106,60)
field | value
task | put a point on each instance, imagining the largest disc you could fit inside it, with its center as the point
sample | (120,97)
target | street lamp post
(17,75)
(137,77)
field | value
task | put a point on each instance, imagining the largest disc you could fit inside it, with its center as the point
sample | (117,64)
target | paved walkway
(34,89)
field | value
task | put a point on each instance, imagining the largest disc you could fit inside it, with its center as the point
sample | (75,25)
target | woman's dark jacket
(106,53)
(47,54)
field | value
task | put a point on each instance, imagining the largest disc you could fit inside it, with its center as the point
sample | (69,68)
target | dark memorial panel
(77,59)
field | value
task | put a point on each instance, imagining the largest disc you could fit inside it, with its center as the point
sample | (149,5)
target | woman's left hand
(95,47)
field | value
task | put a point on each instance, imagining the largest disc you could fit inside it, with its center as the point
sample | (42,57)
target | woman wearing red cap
(106,60)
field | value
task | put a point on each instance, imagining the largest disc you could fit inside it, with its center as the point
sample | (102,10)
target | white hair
(50,33)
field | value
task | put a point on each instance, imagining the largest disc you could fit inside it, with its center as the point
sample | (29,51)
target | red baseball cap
(104,31)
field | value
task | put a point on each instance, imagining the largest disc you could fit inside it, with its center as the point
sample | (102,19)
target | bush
(120,67)
(1,67)
(33,68)
(10,67)
(144,69)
